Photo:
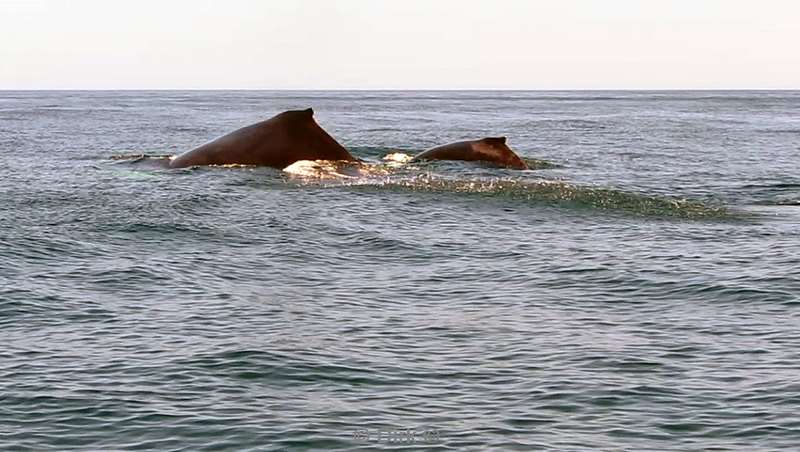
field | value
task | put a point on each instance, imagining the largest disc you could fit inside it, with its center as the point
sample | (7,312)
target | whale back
(277,142)
(493,150)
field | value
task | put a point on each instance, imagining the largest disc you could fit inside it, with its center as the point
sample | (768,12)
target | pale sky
(403,44)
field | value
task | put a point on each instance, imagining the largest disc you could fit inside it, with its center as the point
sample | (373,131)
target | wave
(775,194)
(779,202)
(324,169)
(155,159)
(560,193)
(780,185)
(395,174)
(538,164)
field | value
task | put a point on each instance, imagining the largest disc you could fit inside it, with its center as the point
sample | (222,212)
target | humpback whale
(276,142)
(491,149)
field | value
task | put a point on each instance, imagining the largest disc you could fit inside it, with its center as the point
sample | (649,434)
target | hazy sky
(404,44)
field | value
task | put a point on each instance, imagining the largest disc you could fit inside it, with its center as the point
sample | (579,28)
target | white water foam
(397,157)
(319,169)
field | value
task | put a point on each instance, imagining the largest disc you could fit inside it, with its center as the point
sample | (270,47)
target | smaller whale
(492,150)
(278,142)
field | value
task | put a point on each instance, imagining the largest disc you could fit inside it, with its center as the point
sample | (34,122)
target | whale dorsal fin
(496,140)
(299,116)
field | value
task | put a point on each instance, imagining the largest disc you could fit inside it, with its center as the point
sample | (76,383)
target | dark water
(640,293)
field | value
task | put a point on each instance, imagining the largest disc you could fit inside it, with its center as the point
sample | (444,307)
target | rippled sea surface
(638,290)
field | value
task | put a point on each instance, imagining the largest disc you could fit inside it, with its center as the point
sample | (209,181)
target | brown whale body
(492,150)
(277,142)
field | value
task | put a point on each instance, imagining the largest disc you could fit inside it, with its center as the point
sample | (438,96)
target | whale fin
(309,112)
(496,140)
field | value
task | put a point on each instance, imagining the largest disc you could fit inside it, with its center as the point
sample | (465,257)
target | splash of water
(553,192)
(395,174)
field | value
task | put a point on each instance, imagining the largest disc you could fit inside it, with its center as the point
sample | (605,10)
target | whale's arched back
(277,142)
(493,150)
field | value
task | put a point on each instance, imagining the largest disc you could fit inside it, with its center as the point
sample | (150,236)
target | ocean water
(637,290)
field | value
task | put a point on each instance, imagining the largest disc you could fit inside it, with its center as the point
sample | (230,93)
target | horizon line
(404,89)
